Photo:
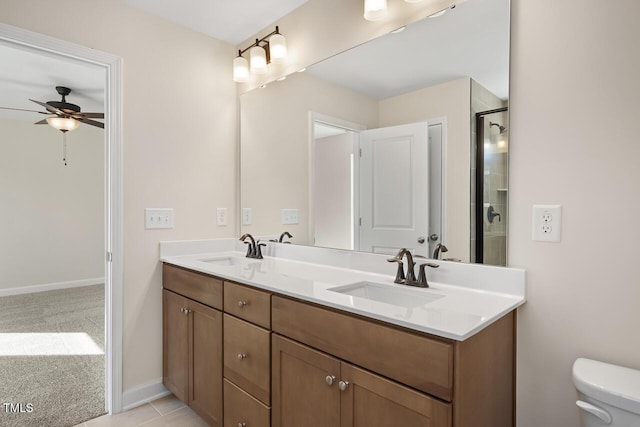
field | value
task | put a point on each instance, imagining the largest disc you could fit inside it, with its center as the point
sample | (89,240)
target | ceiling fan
(64,116)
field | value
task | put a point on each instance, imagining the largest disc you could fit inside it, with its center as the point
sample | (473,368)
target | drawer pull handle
(241,356)
(241,304)
(242,424)
(342,385)
(330,379)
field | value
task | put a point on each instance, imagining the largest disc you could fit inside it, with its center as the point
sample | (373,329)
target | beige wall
(275,146)
(179,143)
(452,101)
(52,216)
(574,141)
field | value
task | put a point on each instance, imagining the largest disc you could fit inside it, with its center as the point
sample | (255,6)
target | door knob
(421,240)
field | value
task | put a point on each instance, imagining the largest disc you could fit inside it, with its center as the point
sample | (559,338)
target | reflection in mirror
(375,148)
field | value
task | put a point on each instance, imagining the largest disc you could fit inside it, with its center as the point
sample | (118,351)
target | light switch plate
(289,216)
(547,223)
(246,216)
(221,216)
(158,218)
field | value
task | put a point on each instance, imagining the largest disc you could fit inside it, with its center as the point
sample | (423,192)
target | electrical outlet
(289,216)
(246,216)
(158,218)
(547,223)
(221,216)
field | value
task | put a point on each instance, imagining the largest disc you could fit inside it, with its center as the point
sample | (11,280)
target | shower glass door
(491,187)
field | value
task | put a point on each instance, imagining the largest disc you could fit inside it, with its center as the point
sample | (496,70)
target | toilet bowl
(608,394)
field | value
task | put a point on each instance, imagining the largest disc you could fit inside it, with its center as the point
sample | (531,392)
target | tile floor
(164,412)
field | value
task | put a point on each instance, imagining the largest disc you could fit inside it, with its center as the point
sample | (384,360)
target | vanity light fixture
(270,48)
(374,10)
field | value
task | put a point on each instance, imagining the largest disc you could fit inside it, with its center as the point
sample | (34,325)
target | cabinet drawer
(197,286)
(240,407)
(418,361)
(248,304)
(247,357)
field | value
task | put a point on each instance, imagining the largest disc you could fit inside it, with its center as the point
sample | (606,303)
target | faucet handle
(400,272)
(422,275)
(259,250)
(249,249)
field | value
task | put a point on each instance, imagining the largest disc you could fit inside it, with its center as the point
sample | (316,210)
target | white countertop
(455,311)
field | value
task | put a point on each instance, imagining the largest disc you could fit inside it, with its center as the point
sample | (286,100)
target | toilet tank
(609,394)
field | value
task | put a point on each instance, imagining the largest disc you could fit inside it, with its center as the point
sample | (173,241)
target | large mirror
(399,142)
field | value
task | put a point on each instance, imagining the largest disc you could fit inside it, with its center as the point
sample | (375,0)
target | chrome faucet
(254,248)
(410,278)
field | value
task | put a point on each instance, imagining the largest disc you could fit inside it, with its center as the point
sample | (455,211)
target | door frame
(28,40)
(351,127)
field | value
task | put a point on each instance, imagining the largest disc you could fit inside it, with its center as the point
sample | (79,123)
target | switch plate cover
(289,216)
(158,218)
(246,216)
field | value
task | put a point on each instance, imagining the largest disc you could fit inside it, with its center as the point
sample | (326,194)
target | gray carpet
(60,369)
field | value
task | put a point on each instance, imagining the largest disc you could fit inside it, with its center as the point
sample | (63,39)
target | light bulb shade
(277,48)
(63,123)
(375,9)
(258,58)
(240,70)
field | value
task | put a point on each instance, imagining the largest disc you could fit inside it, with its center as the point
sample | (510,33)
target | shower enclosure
(489,213)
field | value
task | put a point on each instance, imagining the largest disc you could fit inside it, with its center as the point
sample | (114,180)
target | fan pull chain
(64,148)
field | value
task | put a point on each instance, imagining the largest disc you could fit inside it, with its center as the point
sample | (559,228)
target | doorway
(38,44)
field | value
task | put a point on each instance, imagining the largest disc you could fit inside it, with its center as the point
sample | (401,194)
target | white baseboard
(51,286)
(140,395)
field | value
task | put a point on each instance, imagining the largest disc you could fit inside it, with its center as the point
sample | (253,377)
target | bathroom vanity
(283,342)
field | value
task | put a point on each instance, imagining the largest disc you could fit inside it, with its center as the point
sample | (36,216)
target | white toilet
(608,394)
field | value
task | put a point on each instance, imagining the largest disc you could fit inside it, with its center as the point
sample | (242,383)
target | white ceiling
(28,74)
(233,21)
(471,40)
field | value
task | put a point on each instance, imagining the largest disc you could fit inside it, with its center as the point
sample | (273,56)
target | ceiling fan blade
(22,109)
(90,122)
(41,122)
(89,115)
(54,110)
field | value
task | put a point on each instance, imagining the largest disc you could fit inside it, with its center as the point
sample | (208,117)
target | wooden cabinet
(291,363)
(314,389)
(192,347)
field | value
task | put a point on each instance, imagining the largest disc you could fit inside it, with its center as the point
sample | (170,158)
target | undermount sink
(229,260)
(389,294)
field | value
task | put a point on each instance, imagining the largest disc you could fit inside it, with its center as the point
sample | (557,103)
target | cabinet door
(175,344)
(205,369)
(369,400)
(302,395)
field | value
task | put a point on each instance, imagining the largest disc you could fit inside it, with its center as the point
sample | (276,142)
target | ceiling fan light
(63,123)
(277,48)
(240,70)
(375,10)
(258,57)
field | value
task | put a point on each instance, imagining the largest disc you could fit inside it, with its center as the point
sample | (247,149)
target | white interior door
(394,189)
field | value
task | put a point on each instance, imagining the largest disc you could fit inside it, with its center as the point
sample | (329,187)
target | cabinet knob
(242,356)
(241,304)
(330,379)
(242,424)
(185,310)
(342,385)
